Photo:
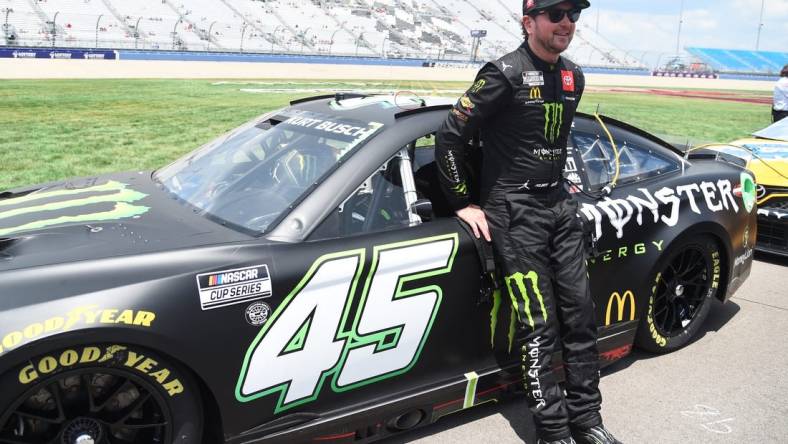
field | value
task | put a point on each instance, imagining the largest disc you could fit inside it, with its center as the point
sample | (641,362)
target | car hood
(768,159)
(91,218)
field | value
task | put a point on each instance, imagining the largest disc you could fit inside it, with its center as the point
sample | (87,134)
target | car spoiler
(340,96)
(422,109)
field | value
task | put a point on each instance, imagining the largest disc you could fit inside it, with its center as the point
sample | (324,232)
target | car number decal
(313,337)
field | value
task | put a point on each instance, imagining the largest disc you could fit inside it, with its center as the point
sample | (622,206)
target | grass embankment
(56,129)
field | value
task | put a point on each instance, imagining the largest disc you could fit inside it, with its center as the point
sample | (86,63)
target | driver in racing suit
(523,105)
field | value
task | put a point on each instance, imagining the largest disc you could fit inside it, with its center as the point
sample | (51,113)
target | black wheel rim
(103,406)
(681,290)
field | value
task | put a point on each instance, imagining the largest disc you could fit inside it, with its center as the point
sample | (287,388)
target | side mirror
(423,209)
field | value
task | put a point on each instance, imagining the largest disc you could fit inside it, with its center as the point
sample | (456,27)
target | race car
(301,279)
(766,154)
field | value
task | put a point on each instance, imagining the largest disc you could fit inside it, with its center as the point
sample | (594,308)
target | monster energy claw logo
(553,118)
(460,189)
(34,211)
(519,280)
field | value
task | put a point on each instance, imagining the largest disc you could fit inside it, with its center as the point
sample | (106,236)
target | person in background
(780,105)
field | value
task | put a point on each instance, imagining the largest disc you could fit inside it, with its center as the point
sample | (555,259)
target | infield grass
(55,129)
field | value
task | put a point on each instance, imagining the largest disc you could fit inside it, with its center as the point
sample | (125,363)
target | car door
(623,226)
(379,305)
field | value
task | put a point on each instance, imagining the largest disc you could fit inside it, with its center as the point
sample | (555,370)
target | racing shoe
(595,435)
(557,441)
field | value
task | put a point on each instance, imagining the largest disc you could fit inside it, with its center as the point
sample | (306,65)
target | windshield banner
(348,131)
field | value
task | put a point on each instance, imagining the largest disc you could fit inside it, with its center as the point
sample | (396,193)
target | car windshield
(250,176)
(776,131)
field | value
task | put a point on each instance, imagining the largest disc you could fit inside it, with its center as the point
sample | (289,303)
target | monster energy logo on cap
(553,118)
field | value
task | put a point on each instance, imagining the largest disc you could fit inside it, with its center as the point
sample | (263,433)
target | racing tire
(100,393)
(682,289)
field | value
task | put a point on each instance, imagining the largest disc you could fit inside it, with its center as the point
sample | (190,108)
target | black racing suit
(523,108)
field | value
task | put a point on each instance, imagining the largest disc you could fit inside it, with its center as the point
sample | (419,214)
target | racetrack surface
(728,386)
(118,69)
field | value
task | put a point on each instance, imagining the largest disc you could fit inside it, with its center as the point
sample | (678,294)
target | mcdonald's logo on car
(536,92)
(620,302)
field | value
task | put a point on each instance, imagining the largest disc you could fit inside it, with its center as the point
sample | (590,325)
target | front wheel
(682,291)
(103,394)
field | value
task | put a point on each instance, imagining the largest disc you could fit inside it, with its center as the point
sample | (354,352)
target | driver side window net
(636,162)
(378,204)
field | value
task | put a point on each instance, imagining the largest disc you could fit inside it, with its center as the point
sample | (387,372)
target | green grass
(55,129)
(678,119)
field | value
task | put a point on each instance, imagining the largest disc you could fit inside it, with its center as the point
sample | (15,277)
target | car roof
(387,108)
(383,108)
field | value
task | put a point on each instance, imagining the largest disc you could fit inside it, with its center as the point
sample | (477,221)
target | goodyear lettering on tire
(715,279)
(658,338)
(108,356)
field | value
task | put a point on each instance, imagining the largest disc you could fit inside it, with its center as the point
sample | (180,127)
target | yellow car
(766,154)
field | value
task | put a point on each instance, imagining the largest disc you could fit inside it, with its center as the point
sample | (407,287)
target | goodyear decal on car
(80,316)
(222,288)
(110,201)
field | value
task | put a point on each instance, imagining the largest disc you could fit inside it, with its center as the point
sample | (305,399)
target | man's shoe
(559,441)
(595,435)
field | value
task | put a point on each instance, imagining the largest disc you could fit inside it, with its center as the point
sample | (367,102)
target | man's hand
(474,216)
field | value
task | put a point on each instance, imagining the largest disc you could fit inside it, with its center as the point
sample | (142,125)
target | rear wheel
(99,394)
(681,295)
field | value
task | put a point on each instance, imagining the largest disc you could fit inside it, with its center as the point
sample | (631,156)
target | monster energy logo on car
(553,118)
(62,206)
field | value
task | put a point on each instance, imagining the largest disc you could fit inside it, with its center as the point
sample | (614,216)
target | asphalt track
(729,386)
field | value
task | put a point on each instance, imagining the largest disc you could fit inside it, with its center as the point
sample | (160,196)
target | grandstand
(738,61)
(421,29)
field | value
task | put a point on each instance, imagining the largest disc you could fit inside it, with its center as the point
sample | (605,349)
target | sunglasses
(556,15)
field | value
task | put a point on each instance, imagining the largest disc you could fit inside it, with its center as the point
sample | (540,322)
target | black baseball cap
(530,6)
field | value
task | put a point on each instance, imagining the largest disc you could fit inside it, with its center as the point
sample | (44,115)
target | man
(523,105)
(780,106)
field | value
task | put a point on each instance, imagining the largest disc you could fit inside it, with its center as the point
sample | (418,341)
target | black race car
(301,279)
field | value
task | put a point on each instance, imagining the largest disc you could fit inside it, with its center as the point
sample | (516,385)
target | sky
(647,28)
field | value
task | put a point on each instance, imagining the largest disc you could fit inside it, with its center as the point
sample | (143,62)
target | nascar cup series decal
(222,288)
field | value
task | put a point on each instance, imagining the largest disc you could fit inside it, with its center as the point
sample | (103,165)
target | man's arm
(488,94)
(580,84)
